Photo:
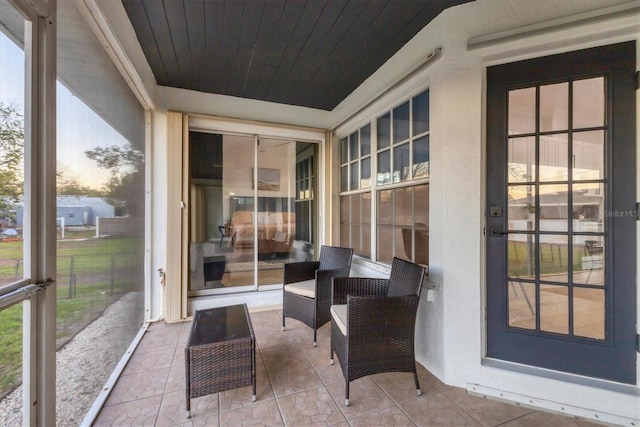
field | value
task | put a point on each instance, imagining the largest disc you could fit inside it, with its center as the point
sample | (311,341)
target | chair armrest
(324,280)
(343,286)
(299,271)
(376,318)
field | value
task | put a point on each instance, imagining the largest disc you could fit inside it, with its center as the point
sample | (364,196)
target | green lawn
(91,274)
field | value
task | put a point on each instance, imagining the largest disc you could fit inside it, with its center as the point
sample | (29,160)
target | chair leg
(331,357)
(418,390)
(346,393)
(315,344)
(283,328)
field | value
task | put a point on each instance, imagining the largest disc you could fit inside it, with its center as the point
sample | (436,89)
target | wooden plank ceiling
(310,53)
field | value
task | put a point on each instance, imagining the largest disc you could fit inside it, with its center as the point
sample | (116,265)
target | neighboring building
(77,210)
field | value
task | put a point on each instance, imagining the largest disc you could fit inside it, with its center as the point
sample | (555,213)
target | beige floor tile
(173,409)
(142,412)
(261,414)
(139,386)
(436,410)
(429,383)
(149,361)
(364,397)
(545,419)
(486,411)
(159,337)
(274,338)
(239,397)
(176,380)
(290,372)
(392,416)
(313,407)
(400,386)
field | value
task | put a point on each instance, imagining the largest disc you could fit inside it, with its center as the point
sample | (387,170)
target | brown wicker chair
(307,286)
(373,322)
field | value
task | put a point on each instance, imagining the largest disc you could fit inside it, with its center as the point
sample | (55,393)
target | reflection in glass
(554,215)
(365,173)
(553,253)
(384,167)
(384,131)
(588,207)
(365,140)
(588,313)
(421,157)
(403,206)
(588,260)
(421,113)
(553,157)
(522,159)
(522,253)
(401,163)
(588,155)
(385,248)
(588,103)
(401,123)
(355,176)
(421,202)
(353,146)
(403,244)
(522,207)
(522,111)
(385,207)
(554,308)
(554,107)
(366,208)
(522,305)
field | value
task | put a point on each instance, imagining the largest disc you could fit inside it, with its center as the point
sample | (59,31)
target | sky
(78,128)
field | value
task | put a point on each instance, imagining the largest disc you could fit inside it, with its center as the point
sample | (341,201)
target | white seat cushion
(339,315)
(306,288)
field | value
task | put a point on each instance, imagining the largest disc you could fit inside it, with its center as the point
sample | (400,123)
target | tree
(67,184)
(11,157)
(125,188)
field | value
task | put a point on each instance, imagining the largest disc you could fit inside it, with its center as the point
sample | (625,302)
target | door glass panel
(554,309)
(522,207)
(588,313)
(554,215)
(384,131)
(355,177)
(588,103)
(588,155)
(384,167)
(365,140)
(401,162)
(553,253)
(276,215)
(553,157)
(588,207)
(554,107)
(522,256)
(588,260)
(365,174)
(522,111)
(401,123)
(522,159)
(522,304)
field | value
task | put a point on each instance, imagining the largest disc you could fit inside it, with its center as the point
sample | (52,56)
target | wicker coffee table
(220,353)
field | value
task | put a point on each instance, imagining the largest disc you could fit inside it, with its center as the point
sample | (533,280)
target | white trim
(99,24)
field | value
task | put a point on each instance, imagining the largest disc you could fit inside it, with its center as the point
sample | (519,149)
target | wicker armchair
(307,286)
(373,323)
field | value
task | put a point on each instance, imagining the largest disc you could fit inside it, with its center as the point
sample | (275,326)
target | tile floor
(296,386)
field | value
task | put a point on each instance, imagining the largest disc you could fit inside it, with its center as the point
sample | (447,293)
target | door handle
(497,232)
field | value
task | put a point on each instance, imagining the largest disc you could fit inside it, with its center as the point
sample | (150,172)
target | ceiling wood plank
(157,18)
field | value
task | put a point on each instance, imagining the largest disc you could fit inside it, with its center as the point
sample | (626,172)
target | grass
(553,259)
(91,274)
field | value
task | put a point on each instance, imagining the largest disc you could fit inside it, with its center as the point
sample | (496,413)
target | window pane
(588,155)
(401,123)
(365,173)
(554,152)
(522,111)
(554,212)
(355,178)
(366,241)
(522,208)
(588,207)
(522,159)
(384,167)
(345,235)
(554,309)
(344,150)
(345,207)
(384,131)
(355,208)
(401,163)
(588,313)
(421,202)
(344,178)
(353,146)
(522,305)
(588,260)
(554,254)
(403,242)
(421,157)
(421,113)
(365,140)
(366,208)
(554,107)
(385,246)
(385,207)
(522,256)
(588,103)
(421,245)
(403,206)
